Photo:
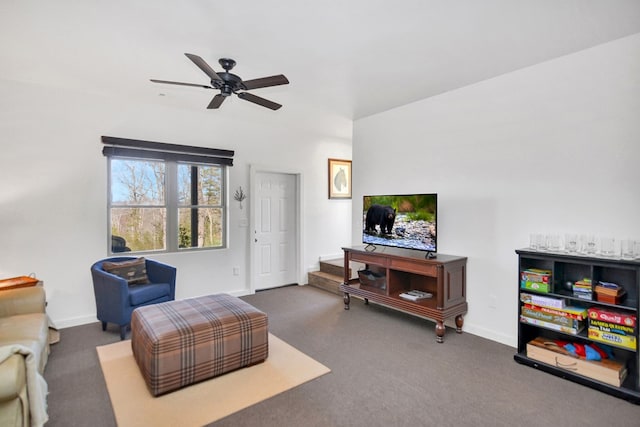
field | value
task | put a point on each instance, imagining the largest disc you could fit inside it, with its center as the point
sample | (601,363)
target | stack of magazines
(415,295)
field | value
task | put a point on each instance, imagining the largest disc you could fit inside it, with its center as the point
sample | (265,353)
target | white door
(275,230)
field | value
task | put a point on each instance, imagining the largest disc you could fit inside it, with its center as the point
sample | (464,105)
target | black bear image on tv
(403,221)
(384,216)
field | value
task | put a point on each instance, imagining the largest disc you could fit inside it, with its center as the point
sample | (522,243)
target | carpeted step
(333,266)
(327,281)
(336,267)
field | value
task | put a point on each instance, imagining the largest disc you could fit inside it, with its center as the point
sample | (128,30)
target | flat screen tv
(403,221)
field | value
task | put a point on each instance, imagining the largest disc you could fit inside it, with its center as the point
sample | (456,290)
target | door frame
(253,200)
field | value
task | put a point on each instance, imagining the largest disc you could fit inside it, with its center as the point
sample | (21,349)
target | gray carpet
(387,370)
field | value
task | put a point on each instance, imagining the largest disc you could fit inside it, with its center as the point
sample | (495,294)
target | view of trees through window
(140,204)
(200,206)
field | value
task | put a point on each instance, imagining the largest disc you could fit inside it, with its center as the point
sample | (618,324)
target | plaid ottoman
(178,343)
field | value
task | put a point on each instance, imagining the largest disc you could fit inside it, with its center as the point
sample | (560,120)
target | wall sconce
(239,196)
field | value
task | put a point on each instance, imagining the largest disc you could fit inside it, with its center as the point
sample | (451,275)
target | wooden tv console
(401,270)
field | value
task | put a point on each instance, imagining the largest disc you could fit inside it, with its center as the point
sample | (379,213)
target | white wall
(550,148)
(53,185)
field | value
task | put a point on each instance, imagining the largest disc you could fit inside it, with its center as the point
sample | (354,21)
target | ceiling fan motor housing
(228,84)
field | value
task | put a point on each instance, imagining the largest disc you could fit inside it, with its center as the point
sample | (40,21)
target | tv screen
(403,221)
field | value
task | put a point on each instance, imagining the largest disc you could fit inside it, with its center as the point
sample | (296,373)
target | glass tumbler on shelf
(627,249)
(607,246)
(553,242)
(571,243)
(542,242)
(589,244)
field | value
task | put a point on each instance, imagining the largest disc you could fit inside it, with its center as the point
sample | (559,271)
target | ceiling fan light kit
(228,83)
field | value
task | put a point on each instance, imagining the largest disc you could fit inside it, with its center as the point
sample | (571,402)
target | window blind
(135,148)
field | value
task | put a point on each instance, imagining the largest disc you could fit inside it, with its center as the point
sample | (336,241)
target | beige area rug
(205,402)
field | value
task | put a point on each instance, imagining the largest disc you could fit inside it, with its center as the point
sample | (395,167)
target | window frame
(223,206)
(171,155)
(111,205)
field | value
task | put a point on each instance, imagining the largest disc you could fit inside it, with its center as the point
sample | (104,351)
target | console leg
(366,301)
(459,323)
(440,331)
(347,300)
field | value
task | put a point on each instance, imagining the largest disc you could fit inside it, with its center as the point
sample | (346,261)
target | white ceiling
(352,57)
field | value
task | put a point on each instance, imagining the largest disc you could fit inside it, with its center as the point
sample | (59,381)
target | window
(200,208)
(172,202)
(138,208)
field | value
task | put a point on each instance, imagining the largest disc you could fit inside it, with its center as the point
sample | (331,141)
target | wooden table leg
(347,300)
(440,331)
(459,323)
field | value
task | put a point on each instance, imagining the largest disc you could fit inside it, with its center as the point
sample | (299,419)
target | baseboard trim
(75,321)
(490,335)
(330,257)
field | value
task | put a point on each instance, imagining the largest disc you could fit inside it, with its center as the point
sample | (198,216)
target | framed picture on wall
(339,179)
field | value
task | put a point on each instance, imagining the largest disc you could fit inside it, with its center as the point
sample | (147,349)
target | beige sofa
(24,350)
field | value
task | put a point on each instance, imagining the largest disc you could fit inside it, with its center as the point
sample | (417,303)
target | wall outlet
(236,271)
(493,301)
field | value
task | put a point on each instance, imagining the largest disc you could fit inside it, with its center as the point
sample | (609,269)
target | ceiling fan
(229,83)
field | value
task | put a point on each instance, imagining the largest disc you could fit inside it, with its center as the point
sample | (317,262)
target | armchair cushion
(133,271)
(143,294)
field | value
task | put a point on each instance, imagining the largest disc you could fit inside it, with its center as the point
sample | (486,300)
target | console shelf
(566,269)
(402,270)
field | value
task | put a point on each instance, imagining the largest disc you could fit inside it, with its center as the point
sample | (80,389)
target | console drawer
(369,259)
(413,267)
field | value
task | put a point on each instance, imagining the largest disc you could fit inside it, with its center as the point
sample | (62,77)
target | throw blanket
(36,385)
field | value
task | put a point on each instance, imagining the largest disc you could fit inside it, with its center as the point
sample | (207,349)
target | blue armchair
(116,298)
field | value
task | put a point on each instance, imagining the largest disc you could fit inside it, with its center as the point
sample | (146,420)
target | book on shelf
(551,326)
(582,289)
(613,316)
(623,341)
(536,286)
(609,288)
(542,300)
(415,295)
(536,279)
(613,328)
(536,275)
(556,319)
(588,296)
(609,292)
(584,283)
(573,312)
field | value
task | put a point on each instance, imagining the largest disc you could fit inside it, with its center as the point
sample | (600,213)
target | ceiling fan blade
(266,82)
(203,66)
(216,102)
(180,83)
(258,100)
